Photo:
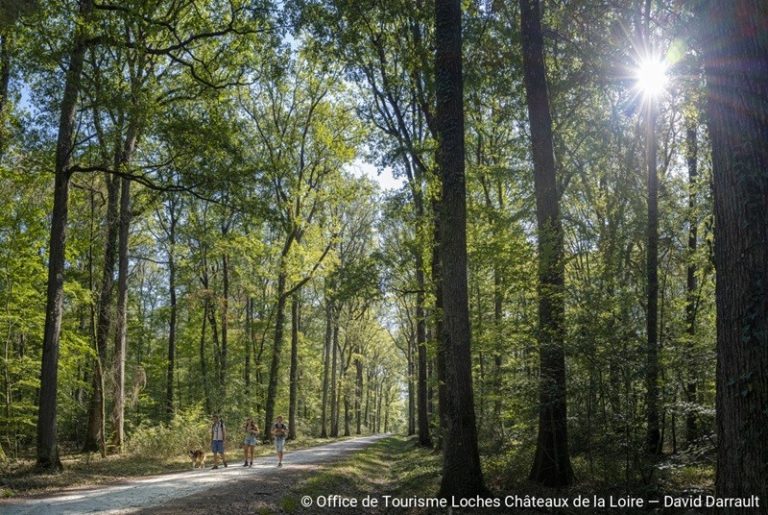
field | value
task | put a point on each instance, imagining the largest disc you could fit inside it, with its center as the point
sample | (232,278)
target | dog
(198,459)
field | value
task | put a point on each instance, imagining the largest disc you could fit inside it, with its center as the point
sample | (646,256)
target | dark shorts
(217,446)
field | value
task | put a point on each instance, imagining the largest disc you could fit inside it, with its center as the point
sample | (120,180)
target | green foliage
(188,430)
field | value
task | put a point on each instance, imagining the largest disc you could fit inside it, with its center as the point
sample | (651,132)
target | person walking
(251,432)
(279,431)
(218,438)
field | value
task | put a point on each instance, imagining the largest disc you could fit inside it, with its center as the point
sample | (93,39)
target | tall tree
(735,50)
(47,443)
(462,475)
(653,441)
(294,370)
(551,464)
(169,227)
(94,439)
(691,153)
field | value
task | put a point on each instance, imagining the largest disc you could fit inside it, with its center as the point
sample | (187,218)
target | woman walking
(251,432)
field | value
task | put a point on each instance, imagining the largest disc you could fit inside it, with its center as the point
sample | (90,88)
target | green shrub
(188,430)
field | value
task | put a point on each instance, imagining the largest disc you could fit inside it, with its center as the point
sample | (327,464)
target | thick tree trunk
(121,328)
(94,439)
(551,465)
(691,432)
(294,372)
(736,67)
(462,475)
(47,438)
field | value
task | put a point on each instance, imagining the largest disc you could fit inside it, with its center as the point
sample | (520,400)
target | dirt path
(200,491)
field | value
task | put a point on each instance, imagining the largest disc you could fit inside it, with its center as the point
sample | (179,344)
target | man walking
(218,437)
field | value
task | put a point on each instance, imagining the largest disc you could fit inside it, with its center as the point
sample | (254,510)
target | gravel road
(164,491)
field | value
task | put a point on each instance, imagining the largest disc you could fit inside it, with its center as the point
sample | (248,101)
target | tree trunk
(551,465)
(462,475)
(249,339)
(653,435)
(498,299)
(47,438)
(294,373)
(94,439)
(169,405)
(224,323)
(358,391)
(5,79)
(346,416)
(421,349)
(277,346)
(411,391)
(691,433)
(334,398)
(118,410)
(326,366)
(204,361)
(735,62)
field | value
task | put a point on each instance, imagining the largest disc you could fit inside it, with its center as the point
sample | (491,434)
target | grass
(396,466)
(393,466)
(84,470)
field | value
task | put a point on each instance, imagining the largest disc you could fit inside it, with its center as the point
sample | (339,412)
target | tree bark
(735,54)
(462,475)
(551,465)
(47,438)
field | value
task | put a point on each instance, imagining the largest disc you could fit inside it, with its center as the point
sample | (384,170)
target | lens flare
(651,77)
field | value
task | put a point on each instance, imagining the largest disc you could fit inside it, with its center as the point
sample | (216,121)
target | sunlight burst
(651,76)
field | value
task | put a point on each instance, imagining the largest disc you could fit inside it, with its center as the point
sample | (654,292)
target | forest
(530,234)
